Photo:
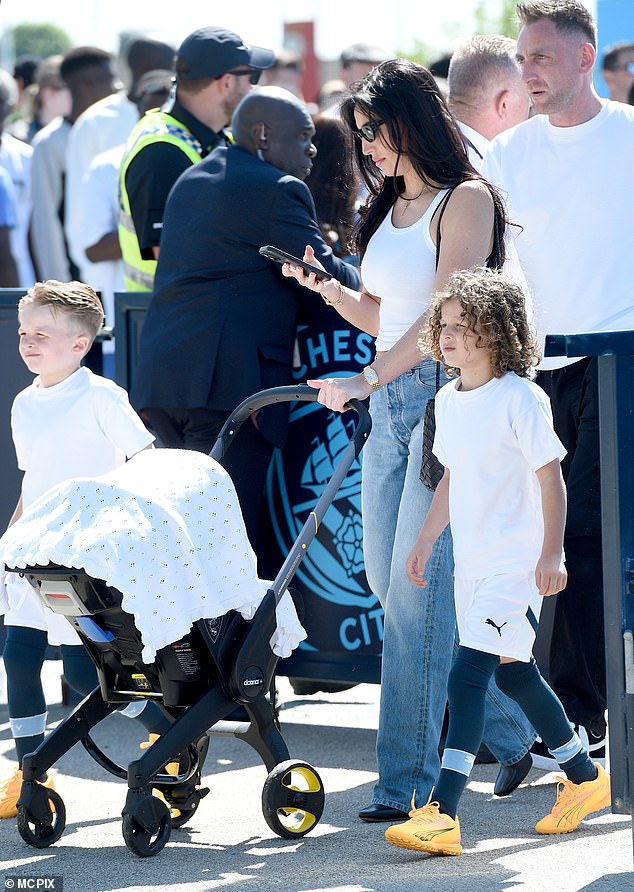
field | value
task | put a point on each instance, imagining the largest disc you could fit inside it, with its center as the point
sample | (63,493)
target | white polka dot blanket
(166,530)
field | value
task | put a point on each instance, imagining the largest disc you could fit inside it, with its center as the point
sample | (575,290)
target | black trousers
(577,669)
(246,461)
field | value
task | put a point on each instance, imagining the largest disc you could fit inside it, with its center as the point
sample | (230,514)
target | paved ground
(228,845)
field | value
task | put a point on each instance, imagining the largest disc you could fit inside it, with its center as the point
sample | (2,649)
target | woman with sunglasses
(415,166)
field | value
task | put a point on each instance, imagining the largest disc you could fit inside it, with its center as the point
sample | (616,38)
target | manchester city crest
(342,615)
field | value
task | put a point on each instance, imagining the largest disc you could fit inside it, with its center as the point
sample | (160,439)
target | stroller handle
(310,528)
(298,393)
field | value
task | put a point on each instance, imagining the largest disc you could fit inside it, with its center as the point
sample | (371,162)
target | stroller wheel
(42,824)
(147,828)
(292,799)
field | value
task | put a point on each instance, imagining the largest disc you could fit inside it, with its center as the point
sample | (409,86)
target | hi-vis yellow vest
(154,126)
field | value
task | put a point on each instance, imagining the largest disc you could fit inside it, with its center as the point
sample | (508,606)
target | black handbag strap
(494,260)
(441,211)
(443,207)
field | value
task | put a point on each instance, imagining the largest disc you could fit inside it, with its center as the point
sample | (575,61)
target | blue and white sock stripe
(569,750)
(458,760)
(29,725)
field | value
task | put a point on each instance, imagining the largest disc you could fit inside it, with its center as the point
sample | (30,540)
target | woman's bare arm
(466,241)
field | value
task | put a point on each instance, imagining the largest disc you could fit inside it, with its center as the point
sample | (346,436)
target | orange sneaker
(10,793)
(170,768)
(575,802)
(428,830)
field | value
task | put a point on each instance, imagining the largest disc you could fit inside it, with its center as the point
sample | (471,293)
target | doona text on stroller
(199,638)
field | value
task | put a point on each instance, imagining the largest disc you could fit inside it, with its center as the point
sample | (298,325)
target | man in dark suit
(221,322)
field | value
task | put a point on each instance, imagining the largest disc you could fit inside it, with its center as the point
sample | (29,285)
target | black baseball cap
(211,52)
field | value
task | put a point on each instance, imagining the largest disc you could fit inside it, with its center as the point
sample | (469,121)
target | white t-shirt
(478,144)
(477,150)
(104,125)
(572,191)
(47,228)
(493,439)
(82,427)
(98,214)
(399,266)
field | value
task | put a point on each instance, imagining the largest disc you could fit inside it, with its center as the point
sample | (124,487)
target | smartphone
(282,257)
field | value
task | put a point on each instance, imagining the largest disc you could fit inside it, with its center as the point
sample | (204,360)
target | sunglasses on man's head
(252,73)
(368,131)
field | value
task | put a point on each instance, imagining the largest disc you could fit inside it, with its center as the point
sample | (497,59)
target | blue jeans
(419,625)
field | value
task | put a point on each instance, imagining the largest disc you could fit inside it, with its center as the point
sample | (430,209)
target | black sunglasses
(368,131)
(253,74)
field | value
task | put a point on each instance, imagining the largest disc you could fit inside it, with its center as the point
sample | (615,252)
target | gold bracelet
(339,300)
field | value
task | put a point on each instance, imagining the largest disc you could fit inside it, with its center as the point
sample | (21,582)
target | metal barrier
(615,352)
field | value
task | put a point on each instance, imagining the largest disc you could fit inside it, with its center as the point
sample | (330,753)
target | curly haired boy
(503,493)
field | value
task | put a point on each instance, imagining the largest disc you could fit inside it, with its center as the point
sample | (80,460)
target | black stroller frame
(222,663)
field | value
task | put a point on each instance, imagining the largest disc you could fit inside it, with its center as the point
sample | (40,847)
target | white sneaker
(595,746)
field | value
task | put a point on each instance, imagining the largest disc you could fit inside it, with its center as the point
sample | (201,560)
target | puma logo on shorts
(490,622)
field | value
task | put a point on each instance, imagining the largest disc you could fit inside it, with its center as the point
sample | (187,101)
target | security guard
(214,69)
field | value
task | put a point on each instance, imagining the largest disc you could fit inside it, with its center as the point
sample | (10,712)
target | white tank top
(399,266)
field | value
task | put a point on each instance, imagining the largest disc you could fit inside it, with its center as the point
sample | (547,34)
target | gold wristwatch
(371,377)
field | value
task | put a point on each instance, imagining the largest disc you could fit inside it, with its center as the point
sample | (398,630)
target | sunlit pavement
(228,844)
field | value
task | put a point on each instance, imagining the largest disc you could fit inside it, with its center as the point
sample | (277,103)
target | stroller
(221,663)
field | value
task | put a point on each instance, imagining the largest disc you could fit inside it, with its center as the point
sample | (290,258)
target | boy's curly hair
(74,300)
(494,306)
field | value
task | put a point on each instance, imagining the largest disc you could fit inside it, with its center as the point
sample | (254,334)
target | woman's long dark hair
(421,128)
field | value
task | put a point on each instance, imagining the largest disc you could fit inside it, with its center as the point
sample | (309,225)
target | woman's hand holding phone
(309,279)
(280,256)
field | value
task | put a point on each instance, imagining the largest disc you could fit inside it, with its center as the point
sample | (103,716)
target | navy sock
(23,655)
(79,669)
(541,706)
(24,746)
(580,768)
(466,690)
(151,717)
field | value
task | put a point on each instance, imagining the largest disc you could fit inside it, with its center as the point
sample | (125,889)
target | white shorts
(499,614)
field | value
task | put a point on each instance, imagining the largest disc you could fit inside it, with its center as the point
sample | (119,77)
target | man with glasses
(214,69)
(618,70)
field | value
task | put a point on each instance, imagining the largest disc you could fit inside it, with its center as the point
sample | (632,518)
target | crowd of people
(460,216)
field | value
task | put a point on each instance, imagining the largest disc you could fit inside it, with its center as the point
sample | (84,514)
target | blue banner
(343,618)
